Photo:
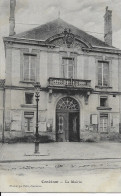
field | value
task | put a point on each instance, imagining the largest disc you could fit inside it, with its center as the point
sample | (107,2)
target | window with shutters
(29,67)
(68,67)
(103,73)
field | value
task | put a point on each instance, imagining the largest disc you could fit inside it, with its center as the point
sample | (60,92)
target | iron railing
(69,82)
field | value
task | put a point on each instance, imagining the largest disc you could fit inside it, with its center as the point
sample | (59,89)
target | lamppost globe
(37,87)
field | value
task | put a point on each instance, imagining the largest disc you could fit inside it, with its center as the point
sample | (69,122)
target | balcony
(70,84)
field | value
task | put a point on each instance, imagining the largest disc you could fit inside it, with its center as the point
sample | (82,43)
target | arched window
(67,103)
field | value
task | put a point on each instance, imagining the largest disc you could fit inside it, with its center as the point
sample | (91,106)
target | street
(60,167)
(60,150)
(84,175)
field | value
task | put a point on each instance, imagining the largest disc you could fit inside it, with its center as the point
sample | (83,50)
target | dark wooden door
(74,127)
(62,127)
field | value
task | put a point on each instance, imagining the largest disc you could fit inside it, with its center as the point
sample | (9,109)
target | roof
(45,31)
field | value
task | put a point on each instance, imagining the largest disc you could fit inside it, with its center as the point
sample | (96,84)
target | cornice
(11,87)
(45,43)
(14,40)
(102,50)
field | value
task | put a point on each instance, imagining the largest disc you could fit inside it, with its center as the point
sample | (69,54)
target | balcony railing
(68,82)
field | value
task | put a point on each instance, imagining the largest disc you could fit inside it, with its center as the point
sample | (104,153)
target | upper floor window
(29,67)
(103,73)
(103,101)
(68,67)
(29,98)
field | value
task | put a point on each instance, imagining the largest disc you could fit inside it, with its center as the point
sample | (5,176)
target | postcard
(60,96)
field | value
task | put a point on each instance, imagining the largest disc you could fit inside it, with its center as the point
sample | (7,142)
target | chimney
(108,27)
(12,17)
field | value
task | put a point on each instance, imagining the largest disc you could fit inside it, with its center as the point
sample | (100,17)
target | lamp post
(37,87)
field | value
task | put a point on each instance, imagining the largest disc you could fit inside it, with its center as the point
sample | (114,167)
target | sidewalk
(59,151)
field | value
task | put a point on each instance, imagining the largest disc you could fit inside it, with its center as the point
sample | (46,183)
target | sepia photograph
(60,96)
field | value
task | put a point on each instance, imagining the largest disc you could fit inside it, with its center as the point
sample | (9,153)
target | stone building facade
(80,79)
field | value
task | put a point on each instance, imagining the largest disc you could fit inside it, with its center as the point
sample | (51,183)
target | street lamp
(37,87)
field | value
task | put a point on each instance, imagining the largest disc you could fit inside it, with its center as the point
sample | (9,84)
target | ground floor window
(29,124)
(104,123)
(29,98)
(29,121)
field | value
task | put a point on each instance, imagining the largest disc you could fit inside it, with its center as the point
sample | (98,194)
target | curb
(43,160)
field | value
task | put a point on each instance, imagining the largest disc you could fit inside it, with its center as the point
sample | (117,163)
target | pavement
(20,152)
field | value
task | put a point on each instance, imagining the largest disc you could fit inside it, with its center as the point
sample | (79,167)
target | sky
(87,15)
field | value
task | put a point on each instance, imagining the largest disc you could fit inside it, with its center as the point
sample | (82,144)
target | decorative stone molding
(86,97)
(50,95)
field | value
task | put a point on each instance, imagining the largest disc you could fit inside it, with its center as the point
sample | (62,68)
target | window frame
(69,54)
(30,52)
(104,59)
(28,117)
(105,97)
(100,115)
(29,93)
(30,55)
(67,67)
(28,121)
(102,74)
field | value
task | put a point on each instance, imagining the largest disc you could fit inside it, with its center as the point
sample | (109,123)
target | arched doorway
(67,120)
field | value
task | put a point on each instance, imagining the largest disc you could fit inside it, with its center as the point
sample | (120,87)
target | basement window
(103,101)
(29,98)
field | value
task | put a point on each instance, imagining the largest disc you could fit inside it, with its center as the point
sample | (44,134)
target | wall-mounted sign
(16,126)
(16,115)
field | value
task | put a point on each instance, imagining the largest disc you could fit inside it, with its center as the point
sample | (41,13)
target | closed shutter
(64,68)
(37,69)
(32,68)
(70,68)
(31,124)
(26,124)
(105,74)
(26,67)
(99,73)
(110,73)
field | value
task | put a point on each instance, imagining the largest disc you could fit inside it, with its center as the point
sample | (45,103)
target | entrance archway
(67,120)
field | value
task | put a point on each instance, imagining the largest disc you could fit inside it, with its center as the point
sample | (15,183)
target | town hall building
(80,79)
